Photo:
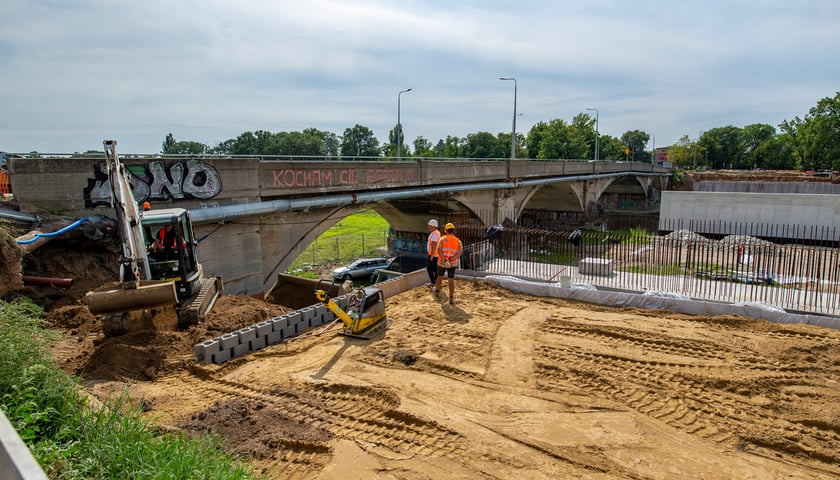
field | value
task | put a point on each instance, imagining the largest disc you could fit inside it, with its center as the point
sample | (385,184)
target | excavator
(364,316)
(159,269)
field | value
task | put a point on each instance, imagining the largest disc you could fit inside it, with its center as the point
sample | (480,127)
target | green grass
(363,234)
(655,269)
(72,440)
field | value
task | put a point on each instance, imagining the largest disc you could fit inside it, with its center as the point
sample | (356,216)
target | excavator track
(201,303)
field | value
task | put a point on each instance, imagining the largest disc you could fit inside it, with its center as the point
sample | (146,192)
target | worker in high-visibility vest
(431,248)
(449,252)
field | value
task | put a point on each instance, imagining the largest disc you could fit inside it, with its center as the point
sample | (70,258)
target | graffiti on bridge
(335,177)
(157,181)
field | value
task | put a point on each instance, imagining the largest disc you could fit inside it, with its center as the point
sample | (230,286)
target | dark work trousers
(432,269)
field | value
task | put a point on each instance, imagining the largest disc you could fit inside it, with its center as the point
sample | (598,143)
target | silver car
(361,269)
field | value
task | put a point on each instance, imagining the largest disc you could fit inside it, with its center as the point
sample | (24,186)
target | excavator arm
(135,262)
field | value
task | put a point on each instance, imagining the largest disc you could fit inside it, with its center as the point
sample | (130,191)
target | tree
(611,148)
(168,144)
(423,147)
(359,141)
(482,145)
(636,141)
(817,136)
(556,140)
(453,147)
(171,147)
(724,147)
(390,149)
(755,136)
(583,125)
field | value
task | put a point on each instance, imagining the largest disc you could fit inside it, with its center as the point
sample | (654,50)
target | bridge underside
(254,252)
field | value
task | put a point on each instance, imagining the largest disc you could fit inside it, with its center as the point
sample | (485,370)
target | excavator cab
(170,245)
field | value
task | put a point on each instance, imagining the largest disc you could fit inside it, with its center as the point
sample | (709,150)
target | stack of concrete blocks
(249,339)
(596,266)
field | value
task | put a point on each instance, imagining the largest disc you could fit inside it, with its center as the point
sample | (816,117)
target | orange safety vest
(162,237)
(448,247)
(434,238)
(5,183)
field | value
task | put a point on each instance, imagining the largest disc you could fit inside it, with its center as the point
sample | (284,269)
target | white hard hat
(433,223)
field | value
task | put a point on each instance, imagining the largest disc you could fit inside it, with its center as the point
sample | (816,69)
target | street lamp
(513,129)
(399,127)
(596,132)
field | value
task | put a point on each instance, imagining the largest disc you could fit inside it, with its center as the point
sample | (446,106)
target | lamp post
(653,154)
(597,135)
(513,128)
(399,126)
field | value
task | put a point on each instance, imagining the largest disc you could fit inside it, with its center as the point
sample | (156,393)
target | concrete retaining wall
(275,330)
(804,215)
(16,461)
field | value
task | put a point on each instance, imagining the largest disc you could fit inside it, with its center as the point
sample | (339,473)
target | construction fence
(340,250)
(789,267)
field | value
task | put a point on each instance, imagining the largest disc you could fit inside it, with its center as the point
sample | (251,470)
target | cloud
(77,72)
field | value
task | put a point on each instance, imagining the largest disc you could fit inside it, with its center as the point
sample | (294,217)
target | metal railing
(785,266)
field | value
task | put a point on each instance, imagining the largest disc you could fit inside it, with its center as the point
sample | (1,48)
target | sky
(76,72)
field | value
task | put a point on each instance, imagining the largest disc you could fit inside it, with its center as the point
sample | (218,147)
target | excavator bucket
(147,295)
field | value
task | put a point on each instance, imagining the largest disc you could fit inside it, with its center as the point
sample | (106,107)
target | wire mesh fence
(341,249)
(790,267)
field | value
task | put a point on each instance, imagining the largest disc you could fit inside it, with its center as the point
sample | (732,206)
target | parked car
(402,263)
(360,269)
(408,262)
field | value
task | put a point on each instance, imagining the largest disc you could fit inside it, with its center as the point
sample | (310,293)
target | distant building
(661,154)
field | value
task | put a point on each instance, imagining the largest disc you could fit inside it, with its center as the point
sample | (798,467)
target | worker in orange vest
(165,245)
(449,252)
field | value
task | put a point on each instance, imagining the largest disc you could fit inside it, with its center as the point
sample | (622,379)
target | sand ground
(501,385)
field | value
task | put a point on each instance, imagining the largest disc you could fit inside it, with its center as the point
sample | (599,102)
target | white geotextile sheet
(663,300)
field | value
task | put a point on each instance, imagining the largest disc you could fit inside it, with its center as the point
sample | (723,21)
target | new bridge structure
(255,215)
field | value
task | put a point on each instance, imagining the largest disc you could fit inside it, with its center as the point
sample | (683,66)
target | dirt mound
(148,354)
(10,279)
(259,429)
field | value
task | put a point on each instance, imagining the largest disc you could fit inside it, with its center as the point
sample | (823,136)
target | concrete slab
(596,266)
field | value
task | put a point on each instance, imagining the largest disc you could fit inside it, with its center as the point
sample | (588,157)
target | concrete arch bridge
(259,214)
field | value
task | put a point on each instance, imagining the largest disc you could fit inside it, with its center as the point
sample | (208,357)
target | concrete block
(322,316)
(228,341)
(264,328)
(220,357)
(304,320)
(205,349)
(279,323)
(247,334)
(259,343)
(596,266)
(242,349)
(274,338)
(306,316)
(292,318)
